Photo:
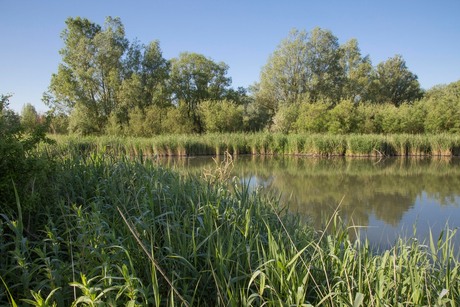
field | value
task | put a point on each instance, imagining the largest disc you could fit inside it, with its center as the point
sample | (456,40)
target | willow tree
(285,77)
(195,78)
(358,72)
(87,81)
(304,67)
(395,83)
(144,87)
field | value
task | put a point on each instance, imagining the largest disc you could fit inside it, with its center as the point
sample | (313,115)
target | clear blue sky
(240,33)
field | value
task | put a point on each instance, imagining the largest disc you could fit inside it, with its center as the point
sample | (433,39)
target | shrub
(313,117)
(20,168)
(221,116)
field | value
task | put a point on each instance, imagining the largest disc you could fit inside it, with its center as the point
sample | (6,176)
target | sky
(240,33)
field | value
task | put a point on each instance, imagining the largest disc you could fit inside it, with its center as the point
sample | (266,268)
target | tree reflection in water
(377,194)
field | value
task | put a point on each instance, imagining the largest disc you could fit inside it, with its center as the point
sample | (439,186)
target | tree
(91,71)
(145,83)
(304,67)
(443,108)
(178,120)
(343,118)
(29,118)
(357,70)
(221,116)
(324,59)
(313,117)
(146,77)
(195,78)
(395,83)
(284,120)
(285,77)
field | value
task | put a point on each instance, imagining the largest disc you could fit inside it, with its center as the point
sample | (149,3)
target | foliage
(311,83)
(303,64)
(313,117)
(21,169)
(104,82)
(195,78)
(127,232)
(358,72)
(394,83)
(343,118)
(59,123)
(286,117)
(88,80)
(29,118)
(221,116)
(443,109)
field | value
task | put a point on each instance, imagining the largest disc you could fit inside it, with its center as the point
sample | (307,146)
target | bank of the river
(270,144)
(127,232)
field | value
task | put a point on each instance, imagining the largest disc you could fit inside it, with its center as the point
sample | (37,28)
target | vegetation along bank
(266,144)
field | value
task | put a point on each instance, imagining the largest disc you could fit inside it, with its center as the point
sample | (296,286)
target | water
(380,199)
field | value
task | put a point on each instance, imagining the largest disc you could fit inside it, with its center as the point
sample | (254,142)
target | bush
(313,117)
(343,118)
(20,167)
(284,119)
(221,116)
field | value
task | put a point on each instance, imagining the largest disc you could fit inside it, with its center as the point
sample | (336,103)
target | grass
(269,144)
(127,232)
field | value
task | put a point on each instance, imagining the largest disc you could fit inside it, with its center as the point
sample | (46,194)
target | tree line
(106,84)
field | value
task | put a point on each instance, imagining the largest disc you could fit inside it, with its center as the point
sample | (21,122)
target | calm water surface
(386,198)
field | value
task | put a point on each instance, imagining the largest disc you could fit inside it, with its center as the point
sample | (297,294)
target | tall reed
(127,232)
(268,144)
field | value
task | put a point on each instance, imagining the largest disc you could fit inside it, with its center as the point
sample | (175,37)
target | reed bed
(127,232)
(368,145)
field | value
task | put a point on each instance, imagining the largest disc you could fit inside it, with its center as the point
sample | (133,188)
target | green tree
(155,117)
(358,72)
(395,83)
(146,77)
(145,87)
(221,116)
(324,60)
(343,118)
(29,118)
(195,78)
(286,117)
(367,115)
(59,123)
(284,79)
(178,120)
(391,119)
(90,73)
(305,66)
(413,117)
(313,117)
(443,108)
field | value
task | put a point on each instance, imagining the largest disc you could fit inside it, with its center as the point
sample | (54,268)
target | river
(380,199)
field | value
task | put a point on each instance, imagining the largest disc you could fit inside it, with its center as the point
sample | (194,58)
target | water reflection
(386,196)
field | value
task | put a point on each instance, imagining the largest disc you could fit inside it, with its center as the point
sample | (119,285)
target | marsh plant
(128,232)
(369,145)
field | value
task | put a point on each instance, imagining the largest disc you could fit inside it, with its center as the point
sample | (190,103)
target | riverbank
(357,145)
(125,231)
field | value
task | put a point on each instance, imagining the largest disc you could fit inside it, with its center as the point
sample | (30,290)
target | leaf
(359,298)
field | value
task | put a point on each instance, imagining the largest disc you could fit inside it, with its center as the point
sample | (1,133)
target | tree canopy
(310,83)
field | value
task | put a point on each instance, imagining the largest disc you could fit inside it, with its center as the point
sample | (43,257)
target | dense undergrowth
(128,232)
(268,144)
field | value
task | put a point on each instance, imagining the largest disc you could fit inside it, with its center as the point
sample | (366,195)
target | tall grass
(269,144)
(126,232)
